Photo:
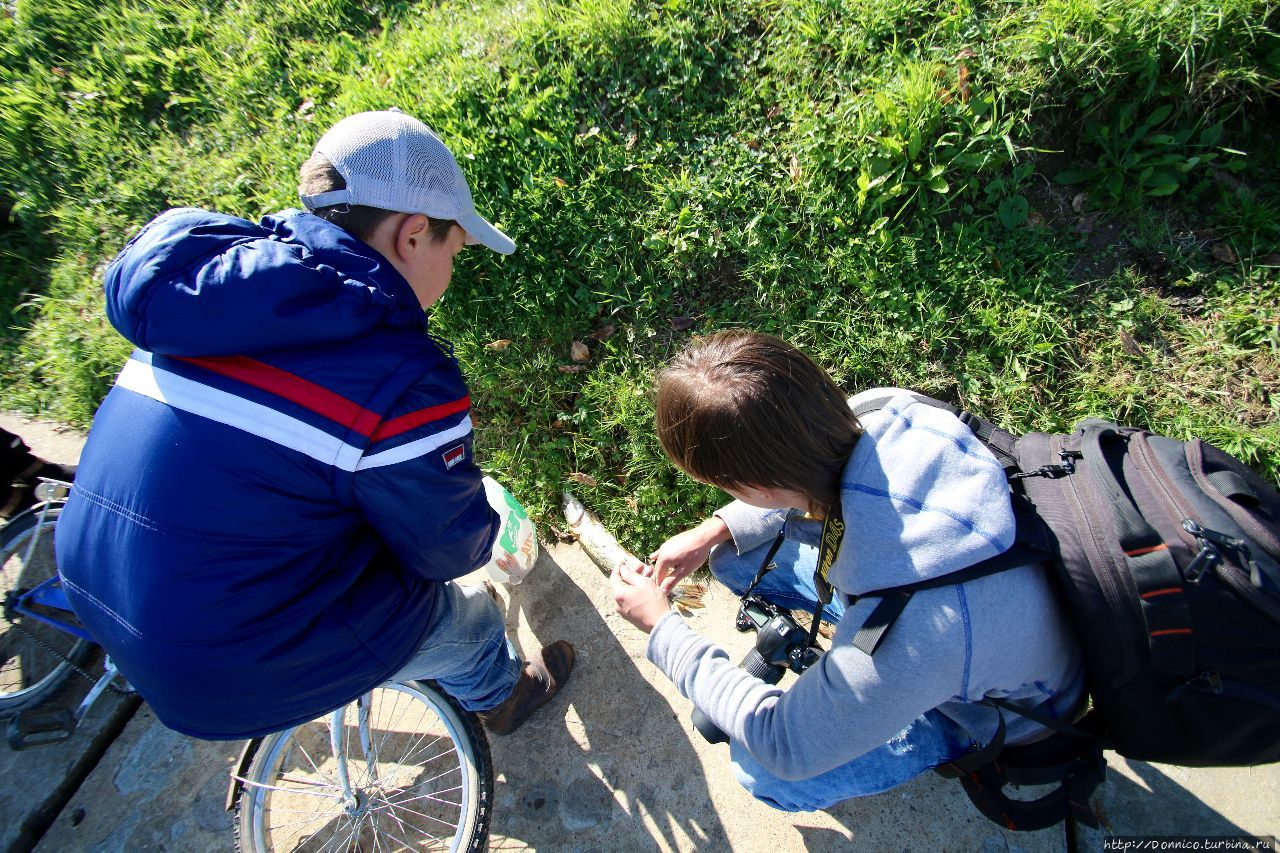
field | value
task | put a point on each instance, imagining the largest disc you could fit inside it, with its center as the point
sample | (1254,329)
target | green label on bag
(509,528)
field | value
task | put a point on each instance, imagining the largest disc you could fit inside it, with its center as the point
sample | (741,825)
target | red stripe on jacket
(404,423)
(321,400)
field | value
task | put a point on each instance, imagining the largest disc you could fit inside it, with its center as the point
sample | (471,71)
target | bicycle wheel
(33,655)
(429,785)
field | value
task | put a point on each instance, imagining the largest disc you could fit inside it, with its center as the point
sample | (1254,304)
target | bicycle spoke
(434,778)
(386,733)
(431,797)
(331,840)
(457,787)
(253,784)
(298,745)
(425,831)
(414,747)
(418,813)
(295,827)
(406,844)
(355,835)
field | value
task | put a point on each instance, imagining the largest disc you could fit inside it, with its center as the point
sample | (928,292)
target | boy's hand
(637,596)
(682,554)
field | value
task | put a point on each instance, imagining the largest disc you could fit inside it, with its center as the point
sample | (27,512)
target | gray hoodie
(921,498)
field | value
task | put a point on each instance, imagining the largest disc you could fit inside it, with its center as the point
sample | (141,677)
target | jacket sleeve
(842,707)
(419,487)
(751,526)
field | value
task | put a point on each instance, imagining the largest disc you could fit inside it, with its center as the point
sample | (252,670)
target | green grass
(1045,210)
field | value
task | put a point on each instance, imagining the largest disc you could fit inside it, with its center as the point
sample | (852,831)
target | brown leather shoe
(542,678)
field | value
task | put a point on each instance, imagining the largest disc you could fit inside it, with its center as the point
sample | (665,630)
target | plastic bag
(516,549)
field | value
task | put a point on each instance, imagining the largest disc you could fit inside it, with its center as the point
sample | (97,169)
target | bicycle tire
(35,658)
(288,778)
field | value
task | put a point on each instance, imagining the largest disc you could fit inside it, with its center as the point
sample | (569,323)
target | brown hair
(742,408)
(318,175)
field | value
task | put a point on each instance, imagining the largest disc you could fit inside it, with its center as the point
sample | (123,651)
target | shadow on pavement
(609,761)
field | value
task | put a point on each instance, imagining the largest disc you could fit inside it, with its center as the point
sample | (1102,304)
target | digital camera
(781,644)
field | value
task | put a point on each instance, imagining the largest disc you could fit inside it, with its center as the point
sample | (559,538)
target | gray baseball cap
(394,162)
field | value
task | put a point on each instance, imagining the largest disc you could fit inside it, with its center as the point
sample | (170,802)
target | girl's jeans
(930,740)
(466,650)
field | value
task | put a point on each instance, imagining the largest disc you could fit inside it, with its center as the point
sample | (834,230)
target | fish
(605,552)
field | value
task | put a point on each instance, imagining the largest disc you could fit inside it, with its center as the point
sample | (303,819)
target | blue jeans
(466,650)
(930,739)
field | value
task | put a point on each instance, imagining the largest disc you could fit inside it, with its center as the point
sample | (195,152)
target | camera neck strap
(828,547)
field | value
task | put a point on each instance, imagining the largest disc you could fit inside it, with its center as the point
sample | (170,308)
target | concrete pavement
(615,765)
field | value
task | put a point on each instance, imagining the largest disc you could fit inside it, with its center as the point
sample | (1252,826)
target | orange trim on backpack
(1171,631)
(1137,552)
(1155,592)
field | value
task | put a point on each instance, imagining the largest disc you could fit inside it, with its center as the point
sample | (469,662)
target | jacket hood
(198,283)
(921,497)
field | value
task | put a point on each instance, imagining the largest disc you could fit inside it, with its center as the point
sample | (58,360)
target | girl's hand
(682,554)
(638,597)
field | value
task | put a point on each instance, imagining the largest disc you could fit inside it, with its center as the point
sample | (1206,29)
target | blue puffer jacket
(280,479)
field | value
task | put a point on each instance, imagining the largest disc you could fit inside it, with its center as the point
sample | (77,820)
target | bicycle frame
(47,603)
(49,594)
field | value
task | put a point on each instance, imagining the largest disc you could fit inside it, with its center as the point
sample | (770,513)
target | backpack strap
(1079,775)
(1033,542)
(1074,762)
(1155,574)
(895,599)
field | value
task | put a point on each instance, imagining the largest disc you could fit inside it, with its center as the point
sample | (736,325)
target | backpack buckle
(1212,544)
(1053,472)
(1204,561)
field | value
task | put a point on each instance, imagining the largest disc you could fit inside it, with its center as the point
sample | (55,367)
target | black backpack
(1167,557)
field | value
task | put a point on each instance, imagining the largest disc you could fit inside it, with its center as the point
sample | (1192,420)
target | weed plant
(1043,210)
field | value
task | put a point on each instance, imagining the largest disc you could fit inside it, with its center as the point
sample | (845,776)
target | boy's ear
(411,235)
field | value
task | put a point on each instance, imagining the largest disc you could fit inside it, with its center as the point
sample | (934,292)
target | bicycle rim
(428,789)
(33,656)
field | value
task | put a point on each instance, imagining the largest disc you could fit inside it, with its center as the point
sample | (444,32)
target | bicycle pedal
(40,727)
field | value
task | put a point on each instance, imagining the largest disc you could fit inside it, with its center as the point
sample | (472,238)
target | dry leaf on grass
(571,368)
(795,170)
(578,352)
(498,346)
(1129,344)
(604,332)
(583,479)
(1223,253)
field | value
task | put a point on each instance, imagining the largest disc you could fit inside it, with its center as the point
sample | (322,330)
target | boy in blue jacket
(278,492)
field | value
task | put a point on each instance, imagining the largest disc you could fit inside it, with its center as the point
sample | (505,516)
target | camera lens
(754,664)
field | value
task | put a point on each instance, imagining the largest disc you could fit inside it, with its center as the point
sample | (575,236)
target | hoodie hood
(195,283)
(921,497)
